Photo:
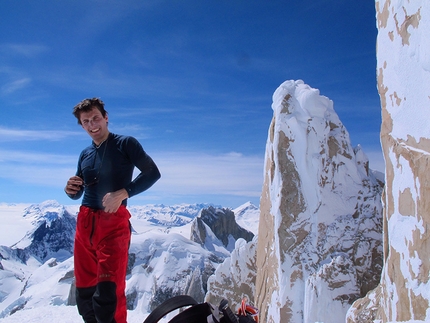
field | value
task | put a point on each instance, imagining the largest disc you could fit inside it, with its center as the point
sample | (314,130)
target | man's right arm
(74,187)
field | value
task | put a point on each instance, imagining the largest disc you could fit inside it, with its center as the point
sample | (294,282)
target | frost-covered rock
(52,235)
(234,279)
(321,214)
(337,281)
(166,265)
(218,227)
(403,68)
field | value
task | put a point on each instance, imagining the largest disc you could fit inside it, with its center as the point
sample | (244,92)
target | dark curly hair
(87,105)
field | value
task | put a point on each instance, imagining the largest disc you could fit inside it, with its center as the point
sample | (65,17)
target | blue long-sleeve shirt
(109,168)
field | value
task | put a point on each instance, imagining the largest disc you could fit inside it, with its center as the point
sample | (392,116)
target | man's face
(95,125)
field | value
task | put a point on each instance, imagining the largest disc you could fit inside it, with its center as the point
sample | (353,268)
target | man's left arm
(149,174)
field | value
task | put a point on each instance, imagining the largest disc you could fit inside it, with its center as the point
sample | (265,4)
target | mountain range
(174,250)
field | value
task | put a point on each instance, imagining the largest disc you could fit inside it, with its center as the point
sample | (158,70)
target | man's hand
(112,201)
(73,185)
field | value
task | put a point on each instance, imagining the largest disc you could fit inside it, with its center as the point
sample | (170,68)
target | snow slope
(161,260)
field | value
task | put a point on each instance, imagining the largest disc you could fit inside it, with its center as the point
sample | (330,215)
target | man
(104,178)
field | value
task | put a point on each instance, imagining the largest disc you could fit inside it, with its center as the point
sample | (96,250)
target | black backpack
(197,312)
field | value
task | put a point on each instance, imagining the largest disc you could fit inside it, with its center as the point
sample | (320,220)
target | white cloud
(41,169)
(27,50)
(16,85)
(183,174)
(193,173)
(41,175)
(7,134)
(24,157)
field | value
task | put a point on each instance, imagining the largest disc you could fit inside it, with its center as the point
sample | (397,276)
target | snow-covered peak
(248,206)
(215,224)
(247,216)
(319,200)
(308,101)
(167,215)
(46,211)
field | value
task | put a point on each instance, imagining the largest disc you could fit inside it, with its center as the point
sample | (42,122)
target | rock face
(403,69)
(234,279)
(320,231)
(217,225)
(174,265)
(166,265)
(53,234)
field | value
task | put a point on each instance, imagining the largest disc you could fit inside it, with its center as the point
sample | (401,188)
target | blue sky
(192,80)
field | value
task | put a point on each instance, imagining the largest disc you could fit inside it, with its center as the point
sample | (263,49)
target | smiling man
(104,178)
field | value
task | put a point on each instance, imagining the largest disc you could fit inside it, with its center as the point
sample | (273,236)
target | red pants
(101,255)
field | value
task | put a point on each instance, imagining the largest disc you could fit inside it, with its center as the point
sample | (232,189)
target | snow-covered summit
(46,211)
(167,215)
(321,213)
(51,235)
(247,215)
